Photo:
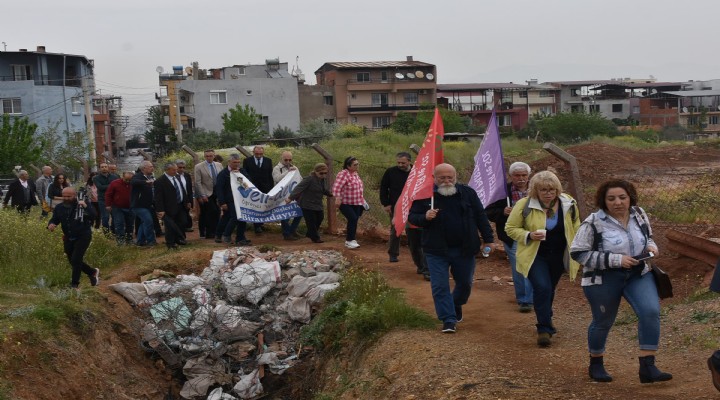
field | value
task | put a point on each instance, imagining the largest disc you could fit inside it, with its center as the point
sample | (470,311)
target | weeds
(703,317)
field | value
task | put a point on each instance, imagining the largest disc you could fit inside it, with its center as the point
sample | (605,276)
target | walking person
(283,167)
(608,245)
(75,218)
(348,189)
(54,193)
(205,174)
(102,182)
(259,170)
(543,225)
(498,213)
(171,201)
(226,200)
(141,203)
(92,197)
(187,186)
(21,192)
(41,186)
(309,196)
(451,220)
(117,202)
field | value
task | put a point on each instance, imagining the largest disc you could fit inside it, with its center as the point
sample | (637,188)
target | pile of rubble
(241,316)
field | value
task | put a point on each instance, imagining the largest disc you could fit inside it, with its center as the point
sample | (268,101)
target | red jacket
(118,194)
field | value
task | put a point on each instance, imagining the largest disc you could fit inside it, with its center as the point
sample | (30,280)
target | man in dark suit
(171,203)
(187,187)
(226,201)
(22,193)
(259,170)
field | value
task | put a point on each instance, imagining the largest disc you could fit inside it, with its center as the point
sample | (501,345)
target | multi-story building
(372,93)
(194,98)
(513,103)
(48,88)
(109,123)
(697,106)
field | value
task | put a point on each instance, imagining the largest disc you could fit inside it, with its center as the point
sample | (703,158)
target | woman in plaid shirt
(348,188)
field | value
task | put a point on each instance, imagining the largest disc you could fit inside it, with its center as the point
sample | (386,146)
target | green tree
(159,135)
(18,143)
(69,149)
(200,139)
(452,120)
(570,127)
(133,143)
(244,123)
(404,123)
(318,128)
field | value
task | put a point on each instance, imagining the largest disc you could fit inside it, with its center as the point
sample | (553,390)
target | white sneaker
(352,244)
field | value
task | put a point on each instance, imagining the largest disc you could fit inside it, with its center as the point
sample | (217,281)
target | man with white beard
(451,221)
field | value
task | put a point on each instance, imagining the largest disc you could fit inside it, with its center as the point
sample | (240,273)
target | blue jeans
(523,287)
(146,230)
(462,268)
(639,291)
(288,228)
(123,220)
(544,276)
(104,216)
(352,215)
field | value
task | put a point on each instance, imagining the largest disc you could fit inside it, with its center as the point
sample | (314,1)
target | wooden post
(244,151)
(193,154)
(145,155)
(575,183)
(415,148)
(38,171)
(332,217)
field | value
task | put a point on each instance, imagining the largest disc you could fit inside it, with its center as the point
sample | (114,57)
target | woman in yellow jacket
(544,225)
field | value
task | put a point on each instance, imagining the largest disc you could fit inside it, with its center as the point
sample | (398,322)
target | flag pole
(432,202)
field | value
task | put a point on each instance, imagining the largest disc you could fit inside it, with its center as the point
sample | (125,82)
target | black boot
(597,370)
(649,373)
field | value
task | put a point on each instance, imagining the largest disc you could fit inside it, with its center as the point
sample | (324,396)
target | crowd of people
(538,224)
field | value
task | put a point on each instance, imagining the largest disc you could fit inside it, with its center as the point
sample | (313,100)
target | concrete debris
(209,325)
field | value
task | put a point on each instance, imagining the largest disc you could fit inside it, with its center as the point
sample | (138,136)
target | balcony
(382,108)
(43,80)
(390,84)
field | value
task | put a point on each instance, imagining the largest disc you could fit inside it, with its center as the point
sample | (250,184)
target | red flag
(419,184)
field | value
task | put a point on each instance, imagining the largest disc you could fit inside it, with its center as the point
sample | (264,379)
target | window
(353,120)
(381,122)
(636,110)
(504,120)
(523,94)
(594,108)
(575,92)
(218,97)
(616,108)
(712,120)
(411,98)
(546,93)
(379,99)
(576,108)
(75,105)
(384,76)
(11,106)
(692,121)
(363,77)
(328,100)
(546,110)
(21,72)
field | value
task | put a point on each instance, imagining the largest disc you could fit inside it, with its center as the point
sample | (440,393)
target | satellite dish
(684,109)
(419,74)
(159,69)
(399,75)
(188,70)
(718,107)
(410,75)
(429,76)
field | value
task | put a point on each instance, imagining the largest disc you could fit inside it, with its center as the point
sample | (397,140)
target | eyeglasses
(548,191)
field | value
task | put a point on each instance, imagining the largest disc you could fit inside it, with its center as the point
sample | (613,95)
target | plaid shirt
(516,194)
(348,187)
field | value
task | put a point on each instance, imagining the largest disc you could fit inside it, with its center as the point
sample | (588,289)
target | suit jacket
(223,190)
(17,194)
(142,193)
(261,176)
(188,186)
(166,197)
(204,185)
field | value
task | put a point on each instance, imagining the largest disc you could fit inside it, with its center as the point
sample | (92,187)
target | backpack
(526,209)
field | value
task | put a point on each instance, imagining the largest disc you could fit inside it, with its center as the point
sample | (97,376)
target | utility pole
(89,122)
(178,120)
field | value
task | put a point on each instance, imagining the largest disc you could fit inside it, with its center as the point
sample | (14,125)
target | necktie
(213,172)
(182,187)
(178,195)
(258,162)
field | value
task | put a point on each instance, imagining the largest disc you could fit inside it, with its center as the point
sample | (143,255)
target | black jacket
(496,214)
(223,190)
(166,197)
(260,177)
(391,185)
(309,193)
(71,227)
(472,219)
(188,186)
(142,193)
(16,193)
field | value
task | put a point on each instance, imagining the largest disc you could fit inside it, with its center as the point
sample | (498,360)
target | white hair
(519,166)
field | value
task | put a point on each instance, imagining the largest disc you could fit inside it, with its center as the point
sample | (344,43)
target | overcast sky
(468,40)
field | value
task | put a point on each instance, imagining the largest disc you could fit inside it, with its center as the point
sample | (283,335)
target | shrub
(349,131)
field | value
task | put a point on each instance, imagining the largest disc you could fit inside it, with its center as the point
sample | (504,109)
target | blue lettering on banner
(276,214)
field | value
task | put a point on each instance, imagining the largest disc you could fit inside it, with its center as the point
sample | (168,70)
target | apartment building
(372,93)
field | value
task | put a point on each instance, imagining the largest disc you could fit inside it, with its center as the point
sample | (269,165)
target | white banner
(252,205)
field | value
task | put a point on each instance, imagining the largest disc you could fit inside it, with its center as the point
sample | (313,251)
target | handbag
(662,281)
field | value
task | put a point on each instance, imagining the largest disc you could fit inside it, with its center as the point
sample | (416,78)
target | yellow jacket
(519,227)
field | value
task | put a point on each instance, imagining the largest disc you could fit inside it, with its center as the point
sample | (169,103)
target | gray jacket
(41,186)
(309,193)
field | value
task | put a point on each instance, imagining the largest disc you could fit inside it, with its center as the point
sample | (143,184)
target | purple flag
(488,177)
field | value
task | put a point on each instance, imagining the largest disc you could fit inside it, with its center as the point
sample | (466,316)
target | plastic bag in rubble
(252,281)
(203,372)
(316,294)
(157,286)
(273,362)
(201,324)
(201,295)
(230,324)
(249,385)
(300,285)
(173,310)
(218,394)
(134,293)
(297,308)
(186,282)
